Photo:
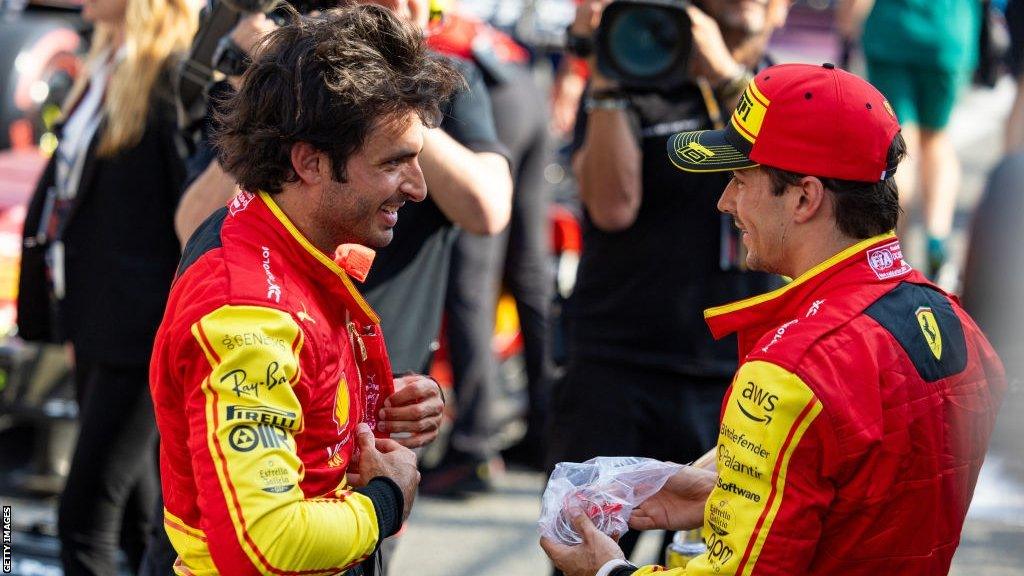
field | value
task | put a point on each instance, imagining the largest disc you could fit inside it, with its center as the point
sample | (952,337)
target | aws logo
(759,401)
(930,329)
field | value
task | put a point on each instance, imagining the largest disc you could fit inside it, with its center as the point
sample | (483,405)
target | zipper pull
(359,340)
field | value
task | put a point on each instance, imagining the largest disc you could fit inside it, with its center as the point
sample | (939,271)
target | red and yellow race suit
(855,427)
(266,360)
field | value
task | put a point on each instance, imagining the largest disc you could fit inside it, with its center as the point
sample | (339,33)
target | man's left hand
(584,559)
(414,411)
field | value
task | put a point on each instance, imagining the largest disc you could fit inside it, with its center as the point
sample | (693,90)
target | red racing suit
(266,360)
(855,427)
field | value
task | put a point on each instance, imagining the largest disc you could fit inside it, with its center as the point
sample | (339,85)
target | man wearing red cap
(854,430)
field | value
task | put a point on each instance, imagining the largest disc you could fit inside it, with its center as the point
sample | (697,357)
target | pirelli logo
(750,111)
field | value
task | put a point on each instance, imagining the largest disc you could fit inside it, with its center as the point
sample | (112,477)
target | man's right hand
(385,457)
(250,29)
(679,505)
(711,57)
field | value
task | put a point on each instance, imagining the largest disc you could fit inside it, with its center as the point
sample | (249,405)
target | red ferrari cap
(814,120)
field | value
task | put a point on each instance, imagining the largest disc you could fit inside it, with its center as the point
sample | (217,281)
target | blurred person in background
(475,279)
(1014,137)
(921,55)
(993,279)
(99,256)
(644,378)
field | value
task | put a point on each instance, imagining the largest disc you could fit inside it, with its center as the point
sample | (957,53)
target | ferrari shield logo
(930,330)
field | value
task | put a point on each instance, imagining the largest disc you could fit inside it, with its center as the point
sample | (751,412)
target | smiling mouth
(391,208)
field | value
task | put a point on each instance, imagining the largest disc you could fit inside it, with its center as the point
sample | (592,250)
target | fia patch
(240,202)
(930,329)
(887,261)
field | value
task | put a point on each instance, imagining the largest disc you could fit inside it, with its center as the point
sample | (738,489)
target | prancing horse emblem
(930,329)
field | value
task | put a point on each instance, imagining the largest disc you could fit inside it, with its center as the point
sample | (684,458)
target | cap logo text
(750,111)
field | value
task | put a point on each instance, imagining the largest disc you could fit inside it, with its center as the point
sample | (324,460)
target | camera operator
(210,186)
(644,377)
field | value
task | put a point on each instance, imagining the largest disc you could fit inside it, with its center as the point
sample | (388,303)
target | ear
(306,162)
(810,200)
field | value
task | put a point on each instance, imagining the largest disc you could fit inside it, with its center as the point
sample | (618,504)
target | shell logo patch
(930,330)
(341,405)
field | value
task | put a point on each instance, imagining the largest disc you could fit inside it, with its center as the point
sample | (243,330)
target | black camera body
(644,45)
(213,50)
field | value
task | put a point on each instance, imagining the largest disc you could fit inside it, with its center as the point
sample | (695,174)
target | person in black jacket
(99,255)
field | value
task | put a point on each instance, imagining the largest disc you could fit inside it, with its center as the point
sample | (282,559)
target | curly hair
(327,80)
(863,209)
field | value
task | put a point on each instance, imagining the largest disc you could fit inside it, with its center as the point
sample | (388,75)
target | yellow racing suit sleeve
(243,416)
(765,513)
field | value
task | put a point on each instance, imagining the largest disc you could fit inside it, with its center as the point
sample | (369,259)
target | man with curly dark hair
(270,372)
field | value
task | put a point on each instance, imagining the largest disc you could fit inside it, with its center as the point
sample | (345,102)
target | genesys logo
(273,289)
(757,403)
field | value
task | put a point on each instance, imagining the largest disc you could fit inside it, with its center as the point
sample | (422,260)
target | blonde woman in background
(99,256)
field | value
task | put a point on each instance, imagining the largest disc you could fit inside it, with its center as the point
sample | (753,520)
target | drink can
(686,545)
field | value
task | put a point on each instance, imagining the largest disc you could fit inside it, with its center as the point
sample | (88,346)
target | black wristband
(388,503)
(623,571)
(581,46)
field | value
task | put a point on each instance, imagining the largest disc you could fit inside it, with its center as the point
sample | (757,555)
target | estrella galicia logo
(762,399)
(930,329)
(245,438)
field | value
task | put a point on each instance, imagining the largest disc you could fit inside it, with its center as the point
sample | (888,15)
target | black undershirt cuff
(388,503)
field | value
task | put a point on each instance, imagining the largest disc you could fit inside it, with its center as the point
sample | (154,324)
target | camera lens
(643,42)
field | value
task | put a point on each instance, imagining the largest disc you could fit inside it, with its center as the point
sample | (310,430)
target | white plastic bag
(605,489)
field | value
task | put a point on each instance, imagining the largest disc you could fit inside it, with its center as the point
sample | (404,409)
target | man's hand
(710,57)
(250,29)
(415,410)
(679,505)
(384,457)
(584,559)
(588,17)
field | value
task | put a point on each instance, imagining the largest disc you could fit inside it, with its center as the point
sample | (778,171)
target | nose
(727,201)
(413,186)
